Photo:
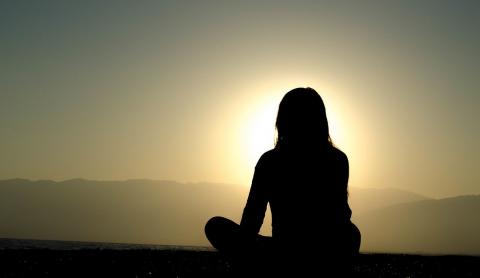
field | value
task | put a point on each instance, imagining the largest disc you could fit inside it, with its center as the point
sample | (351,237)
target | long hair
(302,120)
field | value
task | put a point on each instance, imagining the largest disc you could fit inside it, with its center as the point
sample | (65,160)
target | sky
(188,90)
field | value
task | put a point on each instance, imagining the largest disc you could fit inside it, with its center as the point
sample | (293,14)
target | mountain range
(173,213)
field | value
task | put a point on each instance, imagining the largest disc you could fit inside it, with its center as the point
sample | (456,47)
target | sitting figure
(304,179)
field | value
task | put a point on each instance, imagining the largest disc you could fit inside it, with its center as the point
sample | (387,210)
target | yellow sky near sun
(248,124)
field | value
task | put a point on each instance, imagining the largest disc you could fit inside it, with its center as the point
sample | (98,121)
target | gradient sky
(188,90)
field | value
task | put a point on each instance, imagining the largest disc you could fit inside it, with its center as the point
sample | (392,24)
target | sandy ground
(205,263)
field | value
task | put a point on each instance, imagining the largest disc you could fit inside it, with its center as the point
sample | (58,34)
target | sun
(260,130)
(255,130)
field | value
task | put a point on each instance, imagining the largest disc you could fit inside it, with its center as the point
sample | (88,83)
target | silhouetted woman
(304,179)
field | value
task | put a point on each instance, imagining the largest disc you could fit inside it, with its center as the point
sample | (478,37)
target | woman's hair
(302,120)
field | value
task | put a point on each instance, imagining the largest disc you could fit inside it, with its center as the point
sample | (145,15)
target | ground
(205,263)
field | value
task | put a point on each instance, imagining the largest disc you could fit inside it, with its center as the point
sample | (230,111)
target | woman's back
(307,192)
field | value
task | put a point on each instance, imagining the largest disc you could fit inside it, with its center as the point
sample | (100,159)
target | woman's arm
(254,211)
(346,212)
(340,172)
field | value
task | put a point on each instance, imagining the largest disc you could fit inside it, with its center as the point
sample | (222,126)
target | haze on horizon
(188,91)
(172,213)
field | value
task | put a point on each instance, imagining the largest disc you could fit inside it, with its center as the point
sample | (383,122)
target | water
(25,244)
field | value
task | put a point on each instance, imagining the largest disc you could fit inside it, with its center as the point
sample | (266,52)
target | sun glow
(255,118)
(335,128)
(260,130)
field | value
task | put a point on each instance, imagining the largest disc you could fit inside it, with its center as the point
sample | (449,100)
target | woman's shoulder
(274,155)
(268,155)
(268,158)
(338,156)
(337,153)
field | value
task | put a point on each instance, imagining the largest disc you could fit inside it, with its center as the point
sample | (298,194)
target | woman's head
(302,120)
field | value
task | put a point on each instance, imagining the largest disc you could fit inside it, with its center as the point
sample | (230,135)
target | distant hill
(445,226)
(172,213)
(132,211)
(363,199)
